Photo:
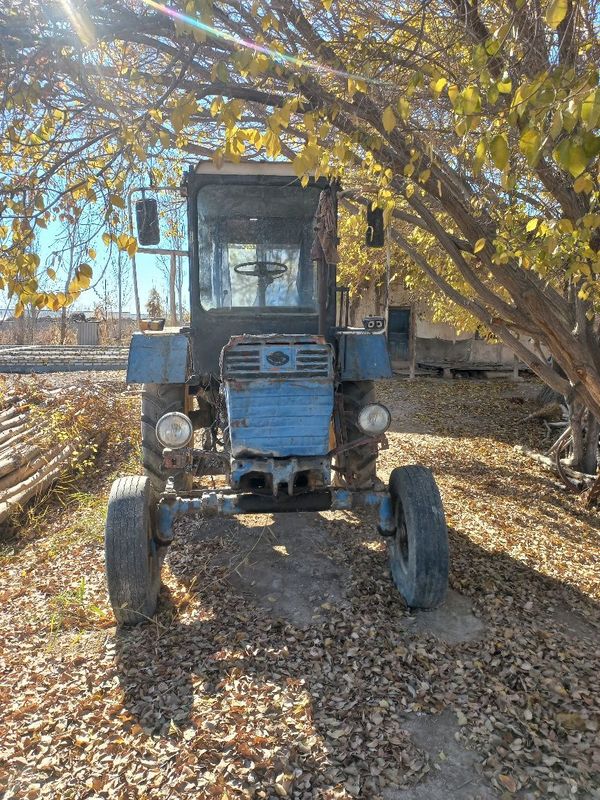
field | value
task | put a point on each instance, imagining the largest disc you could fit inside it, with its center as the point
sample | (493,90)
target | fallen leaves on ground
(220,698)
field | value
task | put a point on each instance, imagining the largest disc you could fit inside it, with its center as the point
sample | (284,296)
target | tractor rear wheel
(419,548)
(357,467)
(159,399)
(132,559)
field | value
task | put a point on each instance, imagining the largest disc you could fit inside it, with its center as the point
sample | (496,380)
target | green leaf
(530,144)
(499,150)
(479,245)
(389,119)
(556,12)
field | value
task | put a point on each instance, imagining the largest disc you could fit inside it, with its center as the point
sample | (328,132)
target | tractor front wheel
(159,399)
(132,559)
(418,549)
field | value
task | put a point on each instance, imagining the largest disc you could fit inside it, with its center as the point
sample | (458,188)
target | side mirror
(375,232)
(146,217)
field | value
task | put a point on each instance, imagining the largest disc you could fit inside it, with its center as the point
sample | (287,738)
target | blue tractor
(266,401)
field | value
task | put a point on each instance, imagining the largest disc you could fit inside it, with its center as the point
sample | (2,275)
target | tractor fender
(159,357)
(363,356)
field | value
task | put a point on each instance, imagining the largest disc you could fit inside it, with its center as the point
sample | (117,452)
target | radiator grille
(244,362)
(279,394)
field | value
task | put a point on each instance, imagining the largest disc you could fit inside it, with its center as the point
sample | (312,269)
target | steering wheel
(265,270)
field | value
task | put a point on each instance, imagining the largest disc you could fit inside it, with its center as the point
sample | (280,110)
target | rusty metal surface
(27,359)
(161,357)
(279,395)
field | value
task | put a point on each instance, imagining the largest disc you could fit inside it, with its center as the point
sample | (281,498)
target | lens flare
(275,55)
(81,22)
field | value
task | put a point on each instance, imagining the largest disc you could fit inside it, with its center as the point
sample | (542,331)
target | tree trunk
(584,432)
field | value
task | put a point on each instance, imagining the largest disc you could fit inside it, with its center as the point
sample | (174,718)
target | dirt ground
(283,663)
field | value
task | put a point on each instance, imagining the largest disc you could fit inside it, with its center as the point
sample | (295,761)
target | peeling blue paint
(227,504)
(158,358)
(279,396)
(364,356)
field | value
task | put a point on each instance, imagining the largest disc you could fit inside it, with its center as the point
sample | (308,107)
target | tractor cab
(266,402)
(253,264)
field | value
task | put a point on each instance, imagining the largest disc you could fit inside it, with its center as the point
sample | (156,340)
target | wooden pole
(412,343)
(172,301)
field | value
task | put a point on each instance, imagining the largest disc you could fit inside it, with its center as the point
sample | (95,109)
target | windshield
(254,245)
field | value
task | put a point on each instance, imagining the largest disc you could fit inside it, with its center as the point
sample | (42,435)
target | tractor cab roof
(245,168)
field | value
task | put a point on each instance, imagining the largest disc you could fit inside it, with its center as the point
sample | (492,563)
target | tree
(473,125)
(154,304)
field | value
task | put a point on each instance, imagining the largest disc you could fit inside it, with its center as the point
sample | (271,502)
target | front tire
(419,558)
(159,399)
(132,560)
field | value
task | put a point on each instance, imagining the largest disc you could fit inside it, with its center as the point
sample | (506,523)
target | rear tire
(132,559)
(159,399)
(419,558)
(358,466)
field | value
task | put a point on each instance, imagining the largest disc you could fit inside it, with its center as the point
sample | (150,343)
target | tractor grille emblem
(278,359)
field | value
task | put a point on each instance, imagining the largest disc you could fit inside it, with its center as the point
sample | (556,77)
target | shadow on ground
(283,651)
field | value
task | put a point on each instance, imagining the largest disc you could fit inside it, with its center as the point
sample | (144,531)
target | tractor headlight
(174,430)
(374,419)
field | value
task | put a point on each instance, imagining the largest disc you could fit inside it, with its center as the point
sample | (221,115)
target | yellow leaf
(471,100)
(85,269)
(122,241)
(556,12)
(531,225)
(438,85)
(499,150)
(403,108)
(479,245)
(327,4)
(584,183)
(530,145)
(479,157)
(389,119)
(51,273)
(590,109)
(410,190)
(453,92)
(116,200)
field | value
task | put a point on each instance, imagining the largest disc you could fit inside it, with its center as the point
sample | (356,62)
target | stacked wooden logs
(32,456)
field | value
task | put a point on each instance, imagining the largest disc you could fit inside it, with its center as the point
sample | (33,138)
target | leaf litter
(221,698)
